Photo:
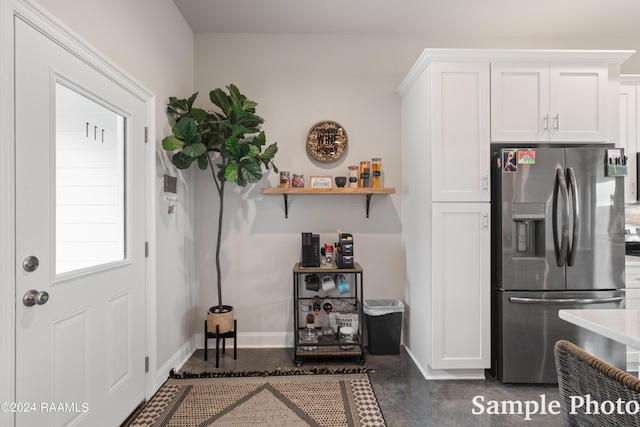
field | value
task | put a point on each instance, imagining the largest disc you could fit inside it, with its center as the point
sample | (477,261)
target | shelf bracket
(286,205)
(368,202)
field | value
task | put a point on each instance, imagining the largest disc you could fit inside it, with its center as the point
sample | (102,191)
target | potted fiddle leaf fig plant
(230,143)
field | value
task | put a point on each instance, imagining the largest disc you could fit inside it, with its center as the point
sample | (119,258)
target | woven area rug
(283,400)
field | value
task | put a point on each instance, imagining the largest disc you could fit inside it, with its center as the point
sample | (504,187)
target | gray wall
(298,81)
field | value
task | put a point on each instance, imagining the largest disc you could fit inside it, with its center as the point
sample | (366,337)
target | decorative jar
(376,168)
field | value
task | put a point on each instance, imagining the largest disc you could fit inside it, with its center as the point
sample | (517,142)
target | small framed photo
(509,161)
(320,182)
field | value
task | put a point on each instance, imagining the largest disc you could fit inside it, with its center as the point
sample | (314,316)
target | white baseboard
(455,374)
(253,340)
(420,368)
(176,361)
(245,340)
(443,374)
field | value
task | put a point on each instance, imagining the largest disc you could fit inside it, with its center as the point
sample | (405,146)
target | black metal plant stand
(218,336)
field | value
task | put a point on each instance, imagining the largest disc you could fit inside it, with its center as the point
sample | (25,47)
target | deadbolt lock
(30,263)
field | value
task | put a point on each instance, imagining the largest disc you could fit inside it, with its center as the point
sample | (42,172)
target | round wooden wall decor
(327,141)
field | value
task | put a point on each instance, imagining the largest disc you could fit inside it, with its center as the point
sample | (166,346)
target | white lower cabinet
(460,286)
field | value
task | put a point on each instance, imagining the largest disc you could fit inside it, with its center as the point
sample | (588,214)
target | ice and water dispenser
(528,232)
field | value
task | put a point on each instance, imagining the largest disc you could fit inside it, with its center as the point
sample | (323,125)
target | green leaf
(235,94)
(198,114)
(250,170)
(181,161)
(203,162)
(189,130)
(231,172)
(238,130)
(171,143)
(180,104)
(221,175)
(231,144)
(226,154)
(221,100)
(236,114)
(254,151)
(195,150)
(249,121)
(176,132)
(249,105)
(259,140)
(241,181)
(269,152)
(191,100)
(241,150)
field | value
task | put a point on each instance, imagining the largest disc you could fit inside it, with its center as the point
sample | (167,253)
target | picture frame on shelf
(321,181)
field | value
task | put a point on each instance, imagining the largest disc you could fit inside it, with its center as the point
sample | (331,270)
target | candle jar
(365,171)
(376,168)
(285,179)
(353,177)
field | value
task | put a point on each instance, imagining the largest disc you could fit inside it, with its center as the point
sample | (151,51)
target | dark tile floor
(405,397)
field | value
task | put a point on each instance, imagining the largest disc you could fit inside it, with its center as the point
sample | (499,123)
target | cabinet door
(519,102)
(578,103)
(460,144)
(627,140)
(460,286)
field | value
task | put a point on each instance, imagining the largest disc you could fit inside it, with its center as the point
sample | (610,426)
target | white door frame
(40,19)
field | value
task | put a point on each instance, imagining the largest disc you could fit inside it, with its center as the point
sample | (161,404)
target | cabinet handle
(485,181)
(546,123)
(486,221)
(556,120)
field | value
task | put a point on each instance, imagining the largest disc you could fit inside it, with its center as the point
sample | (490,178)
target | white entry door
(80,240)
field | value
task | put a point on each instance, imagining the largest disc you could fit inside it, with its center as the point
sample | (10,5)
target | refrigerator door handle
(573,186)
(519,300)
(560,247)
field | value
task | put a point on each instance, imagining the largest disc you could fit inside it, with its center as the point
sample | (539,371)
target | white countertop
(617,324)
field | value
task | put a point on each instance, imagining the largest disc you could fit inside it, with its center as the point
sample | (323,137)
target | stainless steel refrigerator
(557,243)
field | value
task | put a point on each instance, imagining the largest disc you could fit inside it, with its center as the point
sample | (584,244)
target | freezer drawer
(529,327)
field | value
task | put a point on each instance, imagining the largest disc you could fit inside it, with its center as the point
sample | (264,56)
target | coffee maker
(310,253)
(344,251)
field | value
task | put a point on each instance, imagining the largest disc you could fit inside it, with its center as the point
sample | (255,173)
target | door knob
(34,297)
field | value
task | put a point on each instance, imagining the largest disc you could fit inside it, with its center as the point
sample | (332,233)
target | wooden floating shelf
(368,192)
(328,190)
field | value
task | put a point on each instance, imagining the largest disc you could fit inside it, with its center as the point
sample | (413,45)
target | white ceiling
(441,18)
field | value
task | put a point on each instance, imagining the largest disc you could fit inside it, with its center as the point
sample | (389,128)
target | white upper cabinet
(519,102)
(564,102)
(460,132)
(628,138)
